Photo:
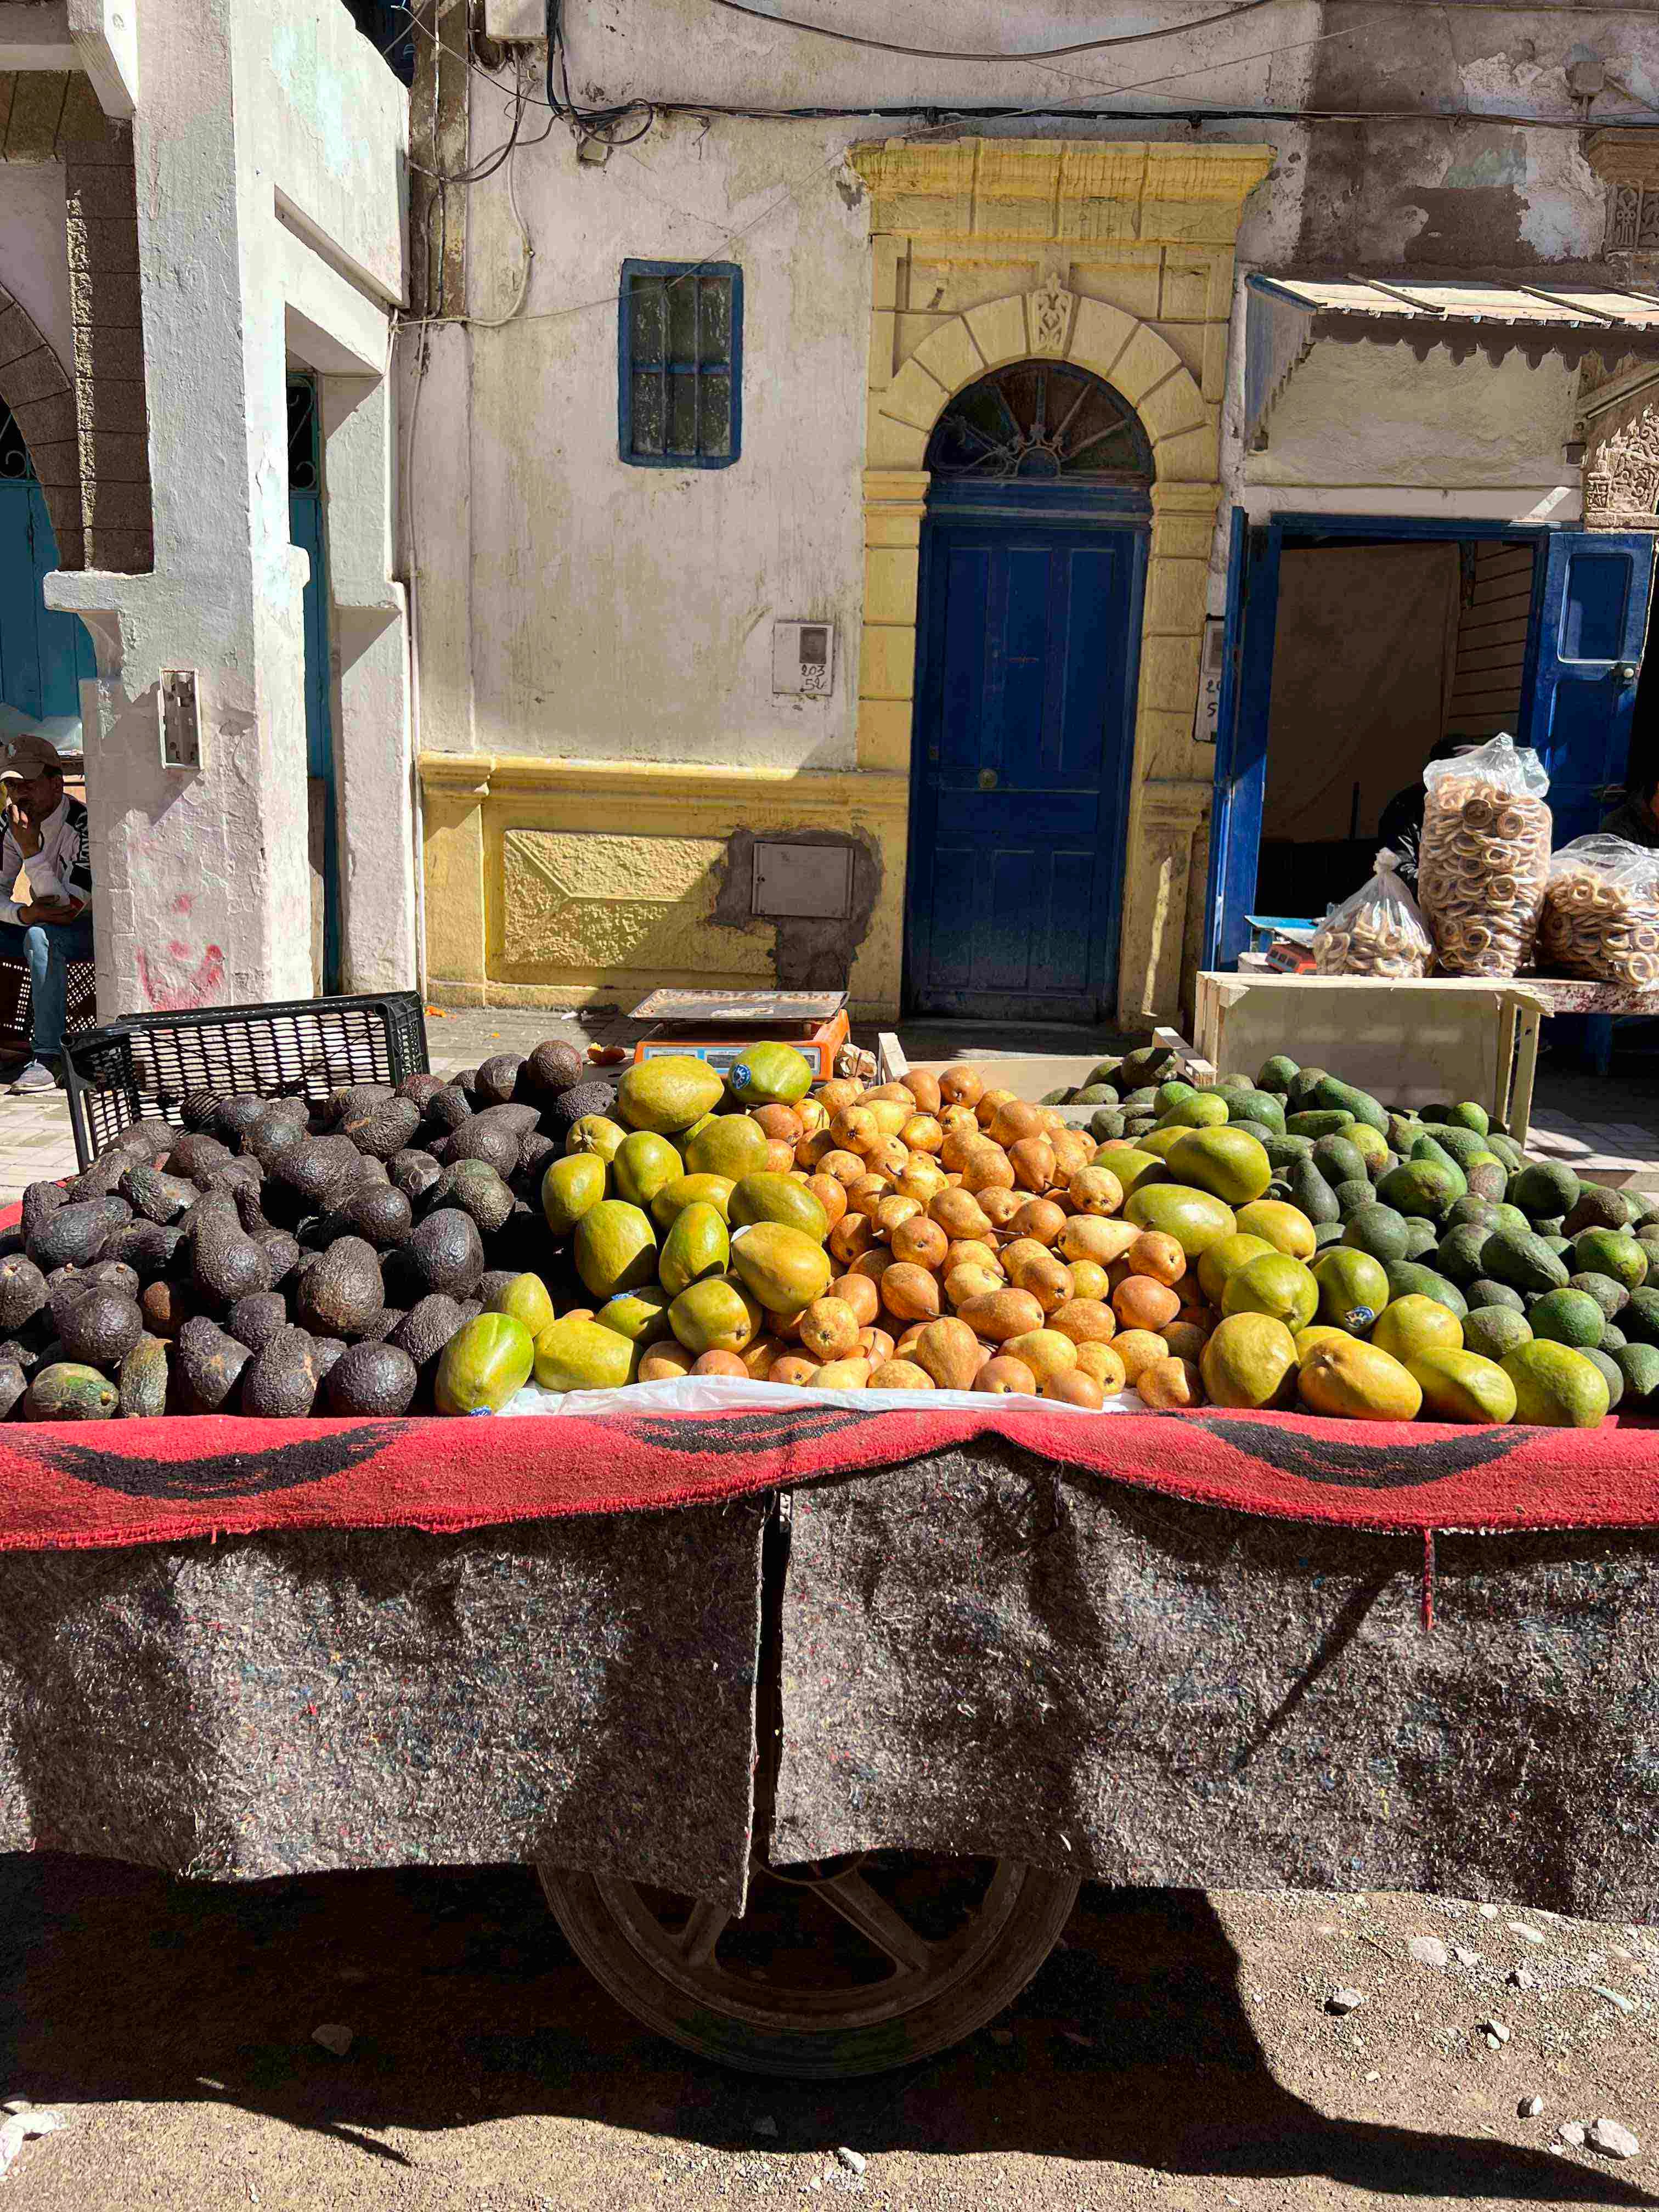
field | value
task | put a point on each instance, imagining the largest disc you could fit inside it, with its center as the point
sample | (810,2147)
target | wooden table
(1409,1042)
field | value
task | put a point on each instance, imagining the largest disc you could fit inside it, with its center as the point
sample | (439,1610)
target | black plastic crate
(142,1066)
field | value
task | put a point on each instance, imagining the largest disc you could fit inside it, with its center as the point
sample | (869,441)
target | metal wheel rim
(922,1972)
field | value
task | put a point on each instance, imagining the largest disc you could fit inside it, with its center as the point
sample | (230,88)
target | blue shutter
(1590,635)
(1240,750)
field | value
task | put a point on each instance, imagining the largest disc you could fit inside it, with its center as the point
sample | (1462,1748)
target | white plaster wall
(684,49)
(1375,415)
(34,256)
(572,605)
(626,612)
(203,891)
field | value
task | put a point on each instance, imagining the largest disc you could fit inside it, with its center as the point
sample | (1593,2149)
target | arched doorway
(1033,555)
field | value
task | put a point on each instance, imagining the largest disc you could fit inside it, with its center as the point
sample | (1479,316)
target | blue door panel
(1590,638)
(305,516)
(1023,732)
(44,654)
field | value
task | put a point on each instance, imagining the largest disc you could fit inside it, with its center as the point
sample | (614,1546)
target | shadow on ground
(1131,2045)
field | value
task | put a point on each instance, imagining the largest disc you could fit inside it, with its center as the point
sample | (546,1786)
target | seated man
(46,833)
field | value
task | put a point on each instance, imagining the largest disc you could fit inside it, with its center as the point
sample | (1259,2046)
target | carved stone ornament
(1621,475)
(1051,306)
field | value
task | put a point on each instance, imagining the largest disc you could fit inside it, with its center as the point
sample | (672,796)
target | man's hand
(26,833)
(61,911)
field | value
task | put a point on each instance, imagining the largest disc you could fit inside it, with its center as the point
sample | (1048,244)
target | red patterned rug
(139,1482)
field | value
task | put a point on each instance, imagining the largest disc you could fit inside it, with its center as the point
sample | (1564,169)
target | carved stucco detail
(578,899)
(1051,307)
(1621,472)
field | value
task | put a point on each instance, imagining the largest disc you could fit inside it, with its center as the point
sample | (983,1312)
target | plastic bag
(1601,916)
(1377,932)
(1485,858)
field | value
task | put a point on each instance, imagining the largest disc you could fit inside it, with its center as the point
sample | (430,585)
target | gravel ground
(1178,2051)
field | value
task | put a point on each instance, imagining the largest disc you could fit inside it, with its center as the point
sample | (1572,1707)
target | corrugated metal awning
(1286,316)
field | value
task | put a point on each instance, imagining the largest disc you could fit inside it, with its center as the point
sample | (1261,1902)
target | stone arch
(1171,771)
(36,387)
(1053,323)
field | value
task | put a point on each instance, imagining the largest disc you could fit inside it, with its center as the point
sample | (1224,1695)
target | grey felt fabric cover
(579,1690)
(982,1655)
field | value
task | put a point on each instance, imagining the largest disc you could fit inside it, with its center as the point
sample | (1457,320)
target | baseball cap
(30,754)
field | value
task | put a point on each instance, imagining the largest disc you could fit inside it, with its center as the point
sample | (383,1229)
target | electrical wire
(957,54)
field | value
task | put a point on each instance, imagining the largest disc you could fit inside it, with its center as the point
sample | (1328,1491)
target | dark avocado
(552,1069)
(341,1291)
(413,1173)
(478,1188)
(280,1382)
(498,1077)
(446,1108)
(23,1292)
(447,1252)
(75,1236)
(426,1327)
(100,1327)
(254,1319)
(382,1128)
(194,1154)
(420,1089)
(13,1384)
(371,1378)
(375,1212)
(154,1195)
(282,1253)
(228,1264)
(208,1366)
(480,1139)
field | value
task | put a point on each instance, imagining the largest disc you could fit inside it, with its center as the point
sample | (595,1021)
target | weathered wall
(203,890)
(575,610)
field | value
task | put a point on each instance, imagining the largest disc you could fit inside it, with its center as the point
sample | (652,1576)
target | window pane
(647,418)
(683,414)
(715,336)
(716,411)
(650,319)
(683,319)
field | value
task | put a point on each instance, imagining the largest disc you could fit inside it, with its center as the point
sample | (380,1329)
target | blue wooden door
(44,654)
(1023,728)
(305,519)
(1590,635)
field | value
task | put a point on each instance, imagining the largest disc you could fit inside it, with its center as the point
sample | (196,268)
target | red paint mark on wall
(181,904)
(177,994)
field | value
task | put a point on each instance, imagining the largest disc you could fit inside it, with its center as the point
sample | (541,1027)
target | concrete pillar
(201,885)
(374,789)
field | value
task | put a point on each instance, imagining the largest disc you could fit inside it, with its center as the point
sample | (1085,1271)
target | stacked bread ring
(1596,926)
(1480,877)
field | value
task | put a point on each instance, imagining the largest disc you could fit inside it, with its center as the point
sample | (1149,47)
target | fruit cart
(816,1632)
(815,1717)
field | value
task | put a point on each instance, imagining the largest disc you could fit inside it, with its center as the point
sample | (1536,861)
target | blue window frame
(679,364)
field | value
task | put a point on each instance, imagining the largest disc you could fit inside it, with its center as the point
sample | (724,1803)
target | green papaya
(770,1074)
(697,1244)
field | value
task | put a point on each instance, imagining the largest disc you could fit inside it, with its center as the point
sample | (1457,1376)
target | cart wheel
(840,1966)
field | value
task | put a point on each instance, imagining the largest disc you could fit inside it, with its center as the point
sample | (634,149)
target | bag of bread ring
(1377,932)
(1601,918)
(1485,858)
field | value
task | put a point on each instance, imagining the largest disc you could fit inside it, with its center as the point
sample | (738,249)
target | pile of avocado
(1519,1250)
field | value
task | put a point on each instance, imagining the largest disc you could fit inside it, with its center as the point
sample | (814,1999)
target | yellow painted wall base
(562,883)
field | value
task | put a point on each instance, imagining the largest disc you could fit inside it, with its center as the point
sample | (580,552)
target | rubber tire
(1034,1925)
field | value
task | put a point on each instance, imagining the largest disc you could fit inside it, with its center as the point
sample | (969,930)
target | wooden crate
(1406,1042)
